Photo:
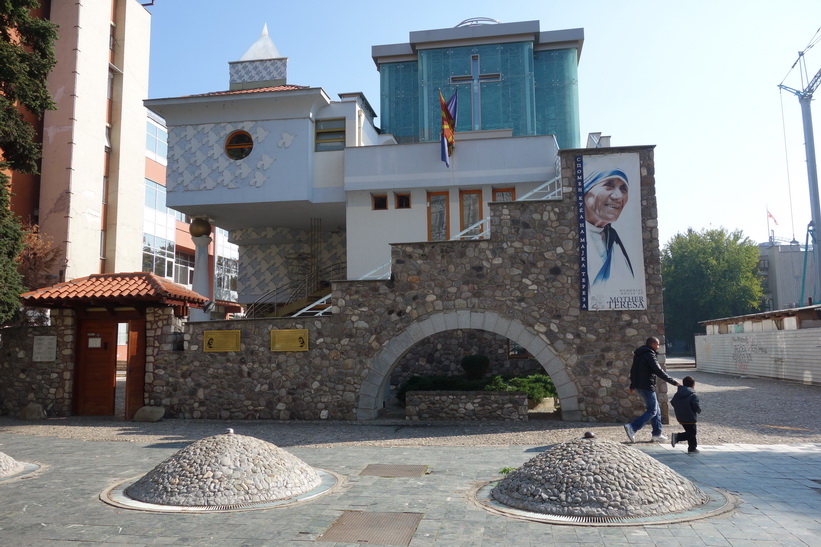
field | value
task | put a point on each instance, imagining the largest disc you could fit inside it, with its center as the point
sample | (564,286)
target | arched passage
(370,395)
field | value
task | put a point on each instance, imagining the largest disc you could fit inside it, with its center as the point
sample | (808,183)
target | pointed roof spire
(263,48)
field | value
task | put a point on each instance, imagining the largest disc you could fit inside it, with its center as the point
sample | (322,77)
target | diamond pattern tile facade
(258,70)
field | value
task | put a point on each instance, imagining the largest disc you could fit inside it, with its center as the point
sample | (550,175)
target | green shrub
(475,366)
(536,386)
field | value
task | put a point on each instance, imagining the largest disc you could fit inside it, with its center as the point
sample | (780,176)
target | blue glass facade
(500,86)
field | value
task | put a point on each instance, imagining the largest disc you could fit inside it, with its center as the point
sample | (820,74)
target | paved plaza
(778,488)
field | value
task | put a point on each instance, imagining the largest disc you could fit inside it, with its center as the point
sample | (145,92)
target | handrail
(373,273)
(293,291)
(307,308)
(465,234)
(552,190)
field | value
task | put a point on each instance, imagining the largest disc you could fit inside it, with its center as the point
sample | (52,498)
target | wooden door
(96,368)
(135,368)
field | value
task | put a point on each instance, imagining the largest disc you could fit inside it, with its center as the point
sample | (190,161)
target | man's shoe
(673,439)
(659,438)
(631,434)
(694,451)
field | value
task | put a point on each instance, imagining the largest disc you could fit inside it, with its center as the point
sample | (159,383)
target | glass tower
(526,82)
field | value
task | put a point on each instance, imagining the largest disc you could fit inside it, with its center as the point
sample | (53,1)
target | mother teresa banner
(611,257)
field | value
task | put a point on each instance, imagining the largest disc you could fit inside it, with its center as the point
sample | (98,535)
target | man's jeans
(652,414)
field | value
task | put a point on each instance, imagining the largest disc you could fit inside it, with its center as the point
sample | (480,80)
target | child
(685,403)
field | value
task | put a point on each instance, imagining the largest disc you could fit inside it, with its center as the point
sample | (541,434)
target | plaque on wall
(220,340)
(45,349)
(289,340)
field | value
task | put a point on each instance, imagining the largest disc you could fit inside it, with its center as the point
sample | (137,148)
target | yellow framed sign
(289,340)
(220,340)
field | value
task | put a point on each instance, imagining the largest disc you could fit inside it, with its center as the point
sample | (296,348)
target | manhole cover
(390,470)
(373,528)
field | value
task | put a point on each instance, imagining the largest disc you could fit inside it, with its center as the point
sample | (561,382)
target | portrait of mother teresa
(605,196)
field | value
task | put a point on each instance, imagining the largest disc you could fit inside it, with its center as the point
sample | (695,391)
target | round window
(239,145)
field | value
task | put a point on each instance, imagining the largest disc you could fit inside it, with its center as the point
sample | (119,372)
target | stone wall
(24,380)
(466,405)
(521,283)
(442,353)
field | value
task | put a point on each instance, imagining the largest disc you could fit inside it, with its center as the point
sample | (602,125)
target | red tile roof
(285,87)
(117,288)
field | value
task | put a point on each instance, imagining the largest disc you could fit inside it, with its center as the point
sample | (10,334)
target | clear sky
(696,79)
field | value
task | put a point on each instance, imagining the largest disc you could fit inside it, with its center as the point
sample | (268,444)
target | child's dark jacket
(685,403)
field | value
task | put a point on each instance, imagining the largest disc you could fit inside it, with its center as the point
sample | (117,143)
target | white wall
(785,355)
(521,163)
(74,140)
(127,171)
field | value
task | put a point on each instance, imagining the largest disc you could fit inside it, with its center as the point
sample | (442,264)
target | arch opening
(377,382)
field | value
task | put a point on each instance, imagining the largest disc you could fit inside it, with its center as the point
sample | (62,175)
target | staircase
(309,296)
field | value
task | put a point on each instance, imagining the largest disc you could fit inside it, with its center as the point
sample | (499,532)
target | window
(184,269)
(238,145)
(225,282)
(379,202)
(504,194)
(470,209)
(154,195)
(155,199)
(330,135)
(515,351)
(226,272)
(182,217)
(158,256)
(438,219)
(403,201)
(156,141)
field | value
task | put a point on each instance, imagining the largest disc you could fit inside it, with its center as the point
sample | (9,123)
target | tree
(37,258)
(708,275)
(11,243)
(26,58)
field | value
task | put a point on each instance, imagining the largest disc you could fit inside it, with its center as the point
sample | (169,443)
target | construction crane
(804,98)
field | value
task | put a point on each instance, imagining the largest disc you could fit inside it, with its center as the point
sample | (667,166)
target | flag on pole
(448,125)
(770,215)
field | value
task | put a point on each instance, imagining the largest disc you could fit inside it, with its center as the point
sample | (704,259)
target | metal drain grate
(373,528)
(390,470)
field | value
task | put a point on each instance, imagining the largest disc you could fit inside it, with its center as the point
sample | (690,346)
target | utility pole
(804,98)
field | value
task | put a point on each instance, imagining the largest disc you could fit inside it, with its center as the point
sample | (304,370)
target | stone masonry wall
(442,353)
(466,405)
(25,381)
(526,273)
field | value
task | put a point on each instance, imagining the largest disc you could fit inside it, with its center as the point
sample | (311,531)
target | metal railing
(277,299)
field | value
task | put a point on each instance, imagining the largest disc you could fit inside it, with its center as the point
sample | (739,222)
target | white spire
(263,48)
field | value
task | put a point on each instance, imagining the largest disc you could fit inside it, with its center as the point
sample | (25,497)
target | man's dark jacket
(645,369)
(685,403)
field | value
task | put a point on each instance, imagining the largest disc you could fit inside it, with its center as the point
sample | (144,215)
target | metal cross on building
(474,79)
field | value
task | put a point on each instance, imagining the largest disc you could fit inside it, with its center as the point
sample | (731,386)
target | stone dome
(597,478)
(9,466)
(225,470)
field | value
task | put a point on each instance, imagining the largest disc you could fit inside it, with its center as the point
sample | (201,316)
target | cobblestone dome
(225,470)
(9,466)
(589,477)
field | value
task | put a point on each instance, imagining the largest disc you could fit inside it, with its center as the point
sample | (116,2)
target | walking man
(643,379)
